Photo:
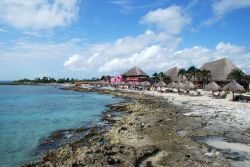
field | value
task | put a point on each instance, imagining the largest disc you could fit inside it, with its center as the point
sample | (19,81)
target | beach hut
(171,85)
(173,73)
(233,86)
(135,75)
(219,69)
(179,85)
(161,84)
(188,85)
(212,86)
(130,83)
(146,83)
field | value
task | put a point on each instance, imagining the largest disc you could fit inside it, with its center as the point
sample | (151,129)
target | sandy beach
(162,129)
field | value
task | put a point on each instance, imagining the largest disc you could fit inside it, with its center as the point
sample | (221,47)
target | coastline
(154,133)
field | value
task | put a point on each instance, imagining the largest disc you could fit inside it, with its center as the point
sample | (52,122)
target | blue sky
(85,38)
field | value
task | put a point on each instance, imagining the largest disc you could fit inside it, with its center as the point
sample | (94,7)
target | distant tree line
(52,80)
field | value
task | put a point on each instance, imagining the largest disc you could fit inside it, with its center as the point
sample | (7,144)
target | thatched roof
(161,84)
(219,69)
(135,71)
(173,73)
(146,83)
(179,85)
(234,87)
(188,85)
(212,86)
(171,85)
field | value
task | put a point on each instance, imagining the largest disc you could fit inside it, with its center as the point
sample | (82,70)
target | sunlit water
(28,113)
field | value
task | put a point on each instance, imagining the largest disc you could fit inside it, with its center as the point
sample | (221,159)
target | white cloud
(38,14)
(199,55)
(32,52)
(72,63)
(159,58)
(152,57)
(172,19)
(128,50)
(222,7)
(134,50)
(153,51)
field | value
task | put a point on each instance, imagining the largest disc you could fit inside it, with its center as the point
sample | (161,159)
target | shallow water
(182,133)
(237,153)
(29,113)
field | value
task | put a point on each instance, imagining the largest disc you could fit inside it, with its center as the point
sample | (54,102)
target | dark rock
(113,161)
(149,164)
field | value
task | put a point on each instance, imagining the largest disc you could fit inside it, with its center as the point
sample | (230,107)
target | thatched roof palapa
(234,87)
(212,86)
(146,83)
(179,85)
(135,71)
(219,69)
(188,85)
(161,84)
(173,73)
(171,85)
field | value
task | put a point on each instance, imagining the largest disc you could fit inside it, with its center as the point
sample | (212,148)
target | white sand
(228,115)
(232,114)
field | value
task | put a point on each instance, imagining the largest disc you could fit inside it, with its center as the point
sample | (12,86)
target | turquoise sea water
(28,113)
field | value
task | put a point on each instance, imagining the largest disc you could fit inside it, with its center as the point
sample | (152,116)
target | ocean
(29,113)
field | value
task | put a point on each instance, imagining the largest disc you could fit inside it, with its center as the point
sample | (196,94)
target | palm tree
(161,75)
(205,76)
(155,74)
(240,77)
(192,72)
(155,78)
(182,72)
(237,75)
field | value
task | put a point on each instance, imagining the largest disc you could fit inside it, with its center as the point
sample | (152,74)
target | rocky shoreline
(151,132)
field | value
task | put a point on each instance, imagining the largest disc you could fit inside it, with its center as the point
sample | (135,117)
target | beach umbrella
(212,86)
(129,83)
(179,85)
(188,85)
(114,84)
(161,84)
(146,83)
(171,84)
(137,83)
(233,86)
(122,83)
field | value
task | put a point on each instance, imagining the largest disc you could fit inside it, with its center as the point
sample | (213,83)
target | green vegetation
(204,76)
(156,77)
(182,73)
(240,77)
(46,80)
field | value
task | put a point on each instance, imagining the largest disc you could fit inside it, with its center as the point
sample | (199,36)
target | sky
(91,38)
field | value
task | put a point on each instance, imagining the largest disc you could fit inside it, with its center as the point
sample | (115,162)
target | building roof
(135,71)
(233,86)
(173,73)
(219,69)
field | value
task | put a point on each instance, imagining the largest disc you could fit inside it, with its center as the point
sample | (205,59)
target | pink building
(117,79)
